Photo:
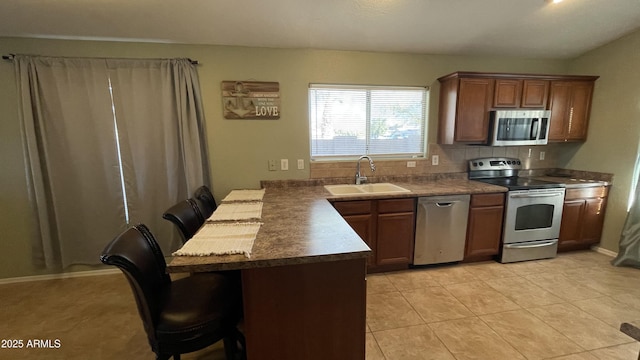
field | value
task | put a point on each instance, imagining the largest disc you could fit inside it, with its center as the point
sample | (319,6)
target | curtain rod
(10,57)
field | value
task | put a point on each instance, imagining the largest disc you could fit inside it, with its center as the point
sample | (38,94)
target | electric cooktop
(504,172)
(521,183)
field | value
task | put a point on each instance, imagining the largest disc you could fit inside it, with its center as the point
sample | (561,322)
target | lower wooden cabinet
(395,232)
(484,227)
(387,226)
(582,217)
(358,215)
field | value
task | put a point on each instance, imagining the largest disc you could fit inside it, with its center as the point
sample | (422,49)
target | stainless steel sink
(365,189)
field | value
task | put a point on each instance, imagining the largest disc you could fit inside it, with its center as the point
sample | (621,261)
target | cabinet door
(571,223)
(484,231)
(475,97)
(579,110)
(507,93)
(395,238)
(570,107)
(559,105)
(363,226)
(593,219)
(535,94)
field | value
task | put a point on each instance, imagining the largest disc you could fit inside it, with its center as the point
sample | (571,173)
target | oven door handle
(522,196)
(529,246)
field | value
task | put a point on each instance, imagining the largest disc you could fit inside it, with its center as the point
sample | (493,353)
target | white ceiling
(521,28)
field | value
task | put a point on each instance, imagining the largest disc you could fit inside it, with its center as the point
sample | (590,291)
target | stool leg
(230,347)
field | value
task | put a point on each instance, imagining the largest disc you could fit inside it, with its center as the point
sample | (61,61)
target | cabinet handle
(570,119)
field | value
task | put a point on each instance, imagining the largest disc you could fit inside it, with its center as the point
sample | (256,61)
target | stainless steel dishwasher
(441,229)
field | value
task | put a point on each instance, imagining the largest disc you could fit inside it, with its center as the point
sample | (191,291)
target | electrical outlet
(284,164)
(411,164)
(300,164)
(435,159)
(542,155)
(272,165)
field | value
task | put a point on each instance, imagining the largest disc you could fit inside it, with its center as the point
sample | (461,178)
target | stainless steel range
(533,209)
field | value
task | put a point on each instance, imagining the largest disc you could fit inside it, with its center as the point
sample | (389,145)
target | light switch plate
(435,159)
(284,164)
(542,155)
(300,164)
(272,165)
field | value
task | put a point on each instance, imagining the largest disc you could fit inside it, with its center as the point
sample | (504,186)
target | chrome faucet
(360,179)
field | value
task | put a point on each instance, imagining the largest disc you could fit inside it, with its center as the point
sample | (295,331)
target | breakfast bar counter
(304,285)
(304,289)
(298,226)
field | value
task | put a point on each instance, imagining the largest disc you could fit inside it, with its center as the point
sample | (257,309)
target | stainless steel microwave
(519,127)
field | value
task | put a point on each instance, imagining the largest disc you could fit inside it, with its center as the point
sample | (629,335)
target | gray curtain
(629,246)
(107,143)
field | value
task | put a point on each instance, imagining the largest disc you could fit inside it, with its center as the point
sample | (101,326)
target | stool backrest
(206,201)
(137,254)
(186,216)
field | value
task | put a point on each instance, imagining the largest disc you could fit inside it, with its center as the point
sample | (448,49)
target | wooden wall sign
(251,100)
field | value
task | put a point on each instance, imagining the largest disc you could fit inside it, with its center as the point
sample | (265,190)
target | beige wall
(614,129)
(239,149)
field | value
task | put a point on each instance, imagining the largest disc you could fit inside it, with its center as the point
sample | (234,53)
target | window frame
(359,87)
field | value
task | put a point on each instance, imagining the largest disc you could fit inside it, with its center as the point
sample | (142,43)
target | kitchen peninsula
(304,285)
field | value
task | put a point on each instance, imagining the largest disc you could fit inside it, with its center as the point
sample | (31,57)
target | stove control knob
(481,163)
(509,162)
(518,162)
(475,163)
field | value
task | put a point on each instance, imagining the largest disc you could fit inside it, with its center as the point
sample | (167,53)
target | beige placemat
(221,239)
(244,195)
(237,211)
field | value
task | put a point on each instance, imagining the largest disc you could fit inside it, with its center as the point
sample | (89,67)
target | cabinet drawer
(396,205)
(479,200)
(588,192)
(353,207)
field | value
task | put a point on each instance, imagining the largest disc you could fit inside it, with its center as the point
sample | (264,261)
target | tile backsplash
(452,159)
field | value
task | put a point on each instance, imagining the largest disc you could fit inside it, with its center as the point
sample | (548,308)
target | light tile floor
(566,308)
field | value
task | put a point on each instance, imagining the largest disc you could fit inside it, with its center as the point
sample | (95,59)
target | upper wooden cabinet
(519,93)
(464,110)
(570,107)
(466,99)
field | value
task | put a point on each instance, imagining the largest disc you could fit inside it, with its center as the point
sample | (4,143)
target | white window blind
(347,121)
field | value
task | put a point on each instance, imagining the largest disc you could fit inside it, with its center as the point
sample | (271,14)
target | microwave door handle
(534,129)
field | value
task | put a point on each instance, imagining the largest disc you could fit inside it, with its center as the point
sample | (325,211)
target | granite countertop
(569,177)
(301,226)
(572,182)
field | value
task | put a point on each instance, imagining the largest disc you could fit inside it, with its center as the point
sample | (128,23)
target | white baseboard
(603,251)
(66,275)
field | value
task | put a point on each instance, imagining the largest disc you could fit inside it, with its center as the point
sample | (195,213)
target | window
(347,121)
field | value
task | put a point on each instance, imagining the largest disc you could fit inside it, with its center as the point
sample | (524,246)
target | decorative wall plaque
(251,100)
